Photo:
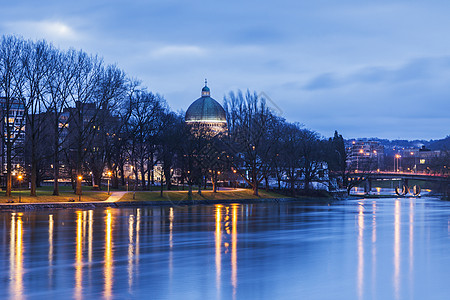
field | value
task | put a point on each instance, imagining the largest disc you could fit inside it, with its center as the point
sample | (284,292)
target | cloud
(177,51)
(323,81)
(318,59)
(421,69)
(52,30)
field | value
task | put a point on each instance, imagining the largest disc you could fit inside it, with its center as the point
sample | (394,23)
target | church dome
(205,109)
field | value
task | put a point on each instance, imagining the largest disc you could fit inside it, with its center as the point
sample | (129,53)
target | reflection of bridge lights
(397,248)
(360,249)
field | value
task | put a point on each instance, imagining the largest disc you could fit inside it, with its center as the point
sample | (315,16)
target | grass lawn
(206,195)
(44,194)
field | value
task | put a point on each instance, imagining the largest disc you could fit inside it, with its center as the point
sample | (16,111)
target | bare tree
(36,67)
(60,86)
(169,146)
(144,123)
(249,121)
(11,85)
(111,90)
(291,155)
(87,75)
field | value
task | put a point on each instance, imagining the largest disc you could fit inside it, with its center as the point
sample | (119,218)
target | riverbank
(92,205)
(170,198)
(223,194)
(45,195)
(66,194)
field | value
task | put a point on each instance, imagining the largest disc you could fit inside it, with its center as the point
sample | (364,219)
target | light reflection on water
(360,250)
(79,257)
(218,256)
(397,247)
(16,256)
(367,249)
(108,264)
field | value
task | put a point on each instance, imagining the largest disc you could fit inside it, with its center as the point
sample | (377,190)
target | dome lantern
(205,90)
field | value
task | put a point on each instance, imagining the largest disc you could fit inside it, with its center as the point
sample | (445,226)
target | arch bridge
(443,180)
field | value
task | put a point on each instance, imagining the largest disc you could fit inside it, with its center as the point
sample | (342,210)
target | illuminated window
(422,161)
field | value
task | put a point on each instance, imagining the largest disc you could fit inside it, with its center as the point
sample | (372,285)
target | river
(391,248)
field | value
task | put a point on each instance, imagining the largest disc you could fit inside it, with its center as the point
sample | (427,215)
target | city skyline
(364,69)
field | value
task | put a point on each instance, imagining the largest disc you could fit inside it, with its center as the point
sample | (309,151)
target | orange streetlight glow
(20,187)
(109,177)
(79,195)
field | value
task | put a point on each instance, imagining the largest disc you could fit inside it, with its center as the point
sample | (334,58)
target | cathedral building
(206,116)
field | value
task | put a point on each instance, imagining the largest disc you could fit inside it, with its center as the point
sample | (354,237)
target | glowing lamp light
(109,173)
(20,177)
(80,177)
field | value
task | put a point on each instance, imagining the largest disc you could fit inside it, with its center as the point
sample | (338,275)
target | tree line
(82,116)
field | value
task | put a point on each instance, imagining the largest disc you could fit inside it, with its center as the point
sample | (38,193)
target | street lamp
(361,151)
(397,158)
(235,179)
(109,177)
(79,194)
(20,187)
(415,164)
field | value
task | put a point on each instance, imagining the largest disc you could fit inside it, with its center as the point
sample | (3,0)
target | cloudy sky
(366,68)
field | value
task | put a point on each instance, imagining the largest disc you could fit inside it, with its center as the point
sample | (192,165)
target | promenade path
(115,196)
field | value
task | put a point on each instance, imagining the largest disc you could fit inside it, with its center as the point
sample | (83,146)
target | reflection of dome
(206,109)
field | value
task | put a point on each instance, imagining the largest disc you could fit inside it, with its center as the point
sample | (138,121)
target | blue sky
(365,68)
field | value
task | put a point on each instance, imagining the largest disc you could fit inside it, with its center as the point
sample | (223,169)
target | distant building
(12,116)
(417,159)
(365,155)
(205,115)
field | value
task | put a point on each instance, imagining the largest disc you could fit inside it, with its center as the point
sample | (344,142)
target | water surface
(396,248)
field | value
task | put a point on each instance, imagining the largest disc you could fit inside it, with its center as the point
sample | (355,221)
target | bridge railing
(444,175)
